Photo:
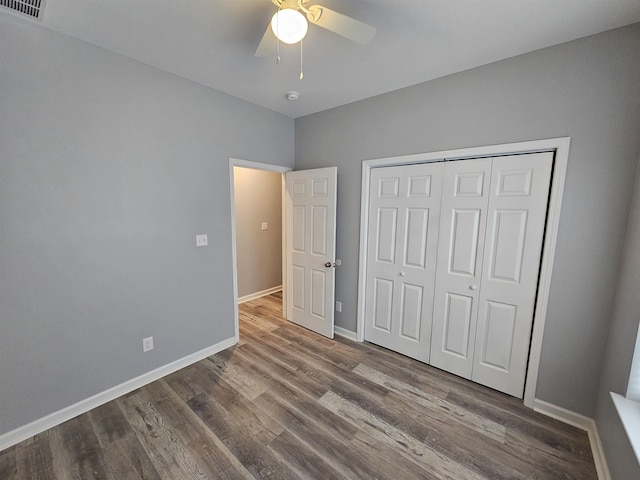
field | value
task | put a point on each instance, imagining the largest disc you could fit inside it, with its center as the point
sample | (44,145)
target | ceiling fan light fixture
(289,25)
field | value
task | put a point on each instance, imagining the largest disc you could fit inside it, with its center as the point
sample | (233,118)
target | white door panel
(403,231)
(458,325)
(411,312)
(465,195)
(310,237)
(382,306)
(516,220)
(463,242)
(386,230)
(417,228)
(496,339)
(507,240)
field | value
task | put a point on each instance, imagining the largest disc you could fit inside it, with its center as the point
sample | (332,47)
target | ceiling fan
(289,25)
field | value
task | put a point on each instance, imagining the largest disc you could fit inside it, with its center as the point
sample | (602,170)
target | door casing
(560,147)
(235,162)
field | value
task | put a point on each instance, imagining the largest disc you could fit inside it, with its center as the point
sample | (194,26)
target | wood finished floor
(285,404)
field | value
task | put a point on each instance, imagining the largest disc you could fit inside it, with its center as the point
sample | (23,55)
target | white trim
(629,413)
(343,332)
(56,418)
(584,423)
(546,267)
(561,148)
(283,191)
(236,162)
(268,167)
(263,293)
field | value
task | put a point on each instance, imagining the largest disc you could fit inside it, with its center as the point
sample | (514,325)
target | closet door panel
(458,324)
(385,237)
(411,315)
(463,242)
(465,192)
(386,231)
(496,339)
(516,221)
(383,305)
(404,212)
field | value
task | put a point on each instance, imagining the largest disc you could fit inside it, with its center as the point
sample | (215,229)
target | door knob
(473,287)
(328,264)
(402,274)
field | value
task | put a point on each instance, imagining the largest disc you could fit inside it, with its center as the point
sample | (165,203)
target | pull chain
(301,73)
(278,36)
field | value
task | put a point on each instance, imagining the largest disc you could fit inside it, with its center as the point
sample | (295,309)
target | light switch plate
(202,240)
(265,226)
(147,344)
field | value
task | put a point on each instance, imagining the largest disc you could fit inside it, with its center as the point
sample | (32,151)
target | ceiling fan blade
(341,24)
(267,45)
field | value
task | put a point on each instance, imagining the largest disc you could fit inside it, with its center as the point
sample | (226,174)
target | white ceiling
(212,42)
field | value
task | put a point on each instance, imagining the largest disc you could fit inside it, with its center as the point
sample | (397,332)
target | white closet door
(465,195)
(402,249)
(515,228)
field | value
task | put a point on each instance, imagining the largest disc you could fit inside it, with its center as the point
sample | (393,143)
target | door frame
(560,147)
(236,162)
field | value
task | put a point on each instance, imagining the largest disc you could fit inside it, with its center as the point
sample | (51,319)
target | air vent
(30,8)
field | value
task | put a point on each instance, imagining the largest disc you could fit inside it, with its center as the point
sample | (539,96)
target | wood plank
(188,382)
(282,371)
(177,452)
(35,461)
(318,434)
(124,456)
(451,411)
(8,466)
(322,372)
(235,405)
(301,458)
(75,451)
(433,462)
(540,431)
(246,444)
(476,452)
(337,354)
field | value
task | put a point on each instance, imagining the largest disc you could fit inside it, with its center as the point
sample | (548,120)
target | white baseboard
(343,332)
(253,296)
(56,418)
(584,423)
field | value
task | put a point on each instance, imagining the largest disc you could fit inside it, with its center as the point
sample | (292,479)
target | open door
(310,217)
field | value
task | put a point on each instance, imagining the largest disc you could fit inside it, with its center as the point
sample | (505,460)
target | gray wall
(619,354)
(108,170)
(589,90)
(258,199)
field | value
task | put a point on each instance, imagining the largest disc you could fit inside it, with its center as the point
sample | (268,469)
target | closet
(453,258)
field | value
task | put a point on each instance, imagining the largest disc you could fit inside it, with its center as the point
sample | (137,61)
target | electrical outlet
(202,240)
(338,306)
(147,344)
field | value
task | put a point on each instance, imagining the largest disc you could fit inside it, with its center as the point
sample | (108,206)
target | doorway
(255,230)
(308,243)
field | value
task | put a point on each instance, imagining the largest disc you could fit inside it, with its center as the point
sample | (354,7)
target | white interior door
(404,214)
(310,211)
(515,227)
(465,193)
